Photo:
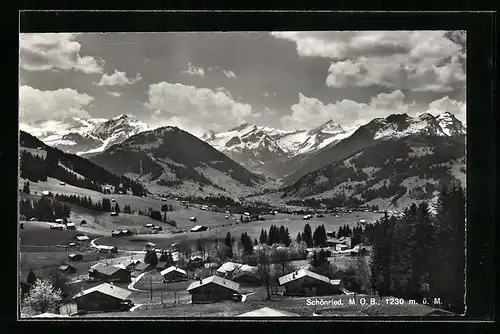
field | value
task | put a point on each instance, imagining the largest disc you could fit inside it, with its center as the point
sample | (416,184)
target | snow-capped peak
(450,124)
(328,127)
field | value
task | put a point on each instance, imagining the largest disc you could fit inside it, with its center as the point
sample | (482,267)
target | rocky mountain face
(266,150)
(173,158)
(85,136)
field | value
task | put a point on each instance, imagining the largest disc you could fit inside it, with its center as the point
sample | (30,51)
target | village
(128,277)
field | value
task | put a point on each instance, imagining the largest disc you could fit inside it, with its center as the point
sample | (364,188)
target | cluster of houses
(60,224)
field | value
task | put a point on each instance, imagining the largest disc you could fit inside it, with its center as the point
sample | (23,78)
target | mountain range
(373,161)
(85,136)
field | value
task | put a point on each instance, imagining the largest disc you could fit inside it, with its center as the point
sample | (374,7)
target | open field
(294,224)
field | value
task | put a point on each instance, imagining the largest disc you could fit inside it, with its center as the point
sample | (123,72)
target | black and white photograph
(242,174)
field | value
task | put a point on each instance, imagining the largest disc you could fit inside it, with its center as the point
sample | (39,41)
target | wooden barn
(306,283)
(173,274)
(213,289)
(112,273)
(103,297)
(246,275)
(199,228)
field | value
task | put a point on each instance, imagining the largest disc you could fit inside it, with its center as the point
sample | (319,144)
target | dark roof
(216,280)
(142,266)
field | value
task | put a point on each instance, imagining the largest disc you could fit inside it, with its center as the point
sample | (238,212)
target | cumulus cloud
(229,74)
(114,94)
(413,60)
(55,51)
(310,112)
(118,79)
(446,104)
(194,109)
(36,105)
(194,70)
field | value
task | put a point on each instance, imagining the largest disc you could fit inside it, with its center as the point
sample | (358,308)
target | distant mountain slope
(170,157)
(80,136)
(39,161)
(380,129)
(265,150)
(407,168)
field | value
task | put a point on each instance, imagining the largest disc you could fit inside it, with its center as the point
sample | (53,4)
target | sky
(216,81)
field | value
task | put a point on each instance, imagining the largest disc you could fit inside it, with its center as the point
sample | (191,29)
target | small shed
(199,228)
(70,226)
(45,193)
(114,214)
(173,274)
(107,249)
(75,257)
(116,233)
(82,238)
(67,269)
(193,219)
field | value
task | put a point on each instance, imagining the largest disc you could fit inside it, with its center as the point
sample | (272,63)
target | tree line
(275,235)
(420,255)
(36,168)
(44,209)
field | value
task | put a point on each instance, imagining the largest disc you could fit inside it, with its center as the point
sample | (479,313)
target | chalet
(114,214)
(193,219)
(107,249)
(67,269)
(149,225)
(112,273)
(70,226)
(126,232)
(268,312)
(62,183)
(227,269)
(58,221)
(246,214)
(204,207)
(75,257)
(246,275)
(103,297)
(71,244)
(116,233)
(173,274)
(307,217)
(158,228)
(199,228)
(213,289)
(82,238)
(46,193)
(306,283)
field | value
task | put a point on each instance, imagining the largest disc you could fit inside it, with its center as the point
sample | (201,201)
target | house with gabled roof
(213,289)
(112,273)
(103,297)
(199,228)
(173,274)
(268,312)
(304,282)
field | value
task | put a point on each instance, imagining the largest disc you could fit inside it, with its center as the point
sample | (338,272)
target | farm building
(112,273)
(116,233)
(113,214)
(199,228)
(107,249)
(103,297)
(56,227)
(82,238)
(58,221)
(67,269)
(193,219)
(268,312)
(246,275)
(97,265)
(340,243)
(62,183)
(213,289)
(306,283)
(174,274)
(228,268)
(70,226)
(75,257)
(46,193)
(130,264)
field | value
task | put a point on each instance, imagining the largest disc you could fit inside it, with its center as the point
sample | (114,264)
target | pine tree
(299,238)
(26,188)
(307,235)
(31,279)
(117,208)
(228,246)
